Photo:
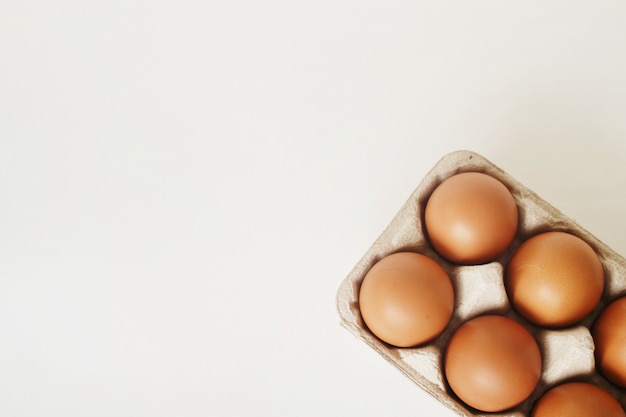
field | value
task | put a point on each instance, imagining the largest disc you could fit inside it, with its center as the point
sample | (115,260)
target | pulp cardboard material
(568,354)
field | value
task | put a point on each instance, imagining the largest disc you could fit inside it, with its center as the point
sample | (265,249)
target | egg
(492,363)
(406,299)
(554,279)
(577,399)
(609,335)
(471,218)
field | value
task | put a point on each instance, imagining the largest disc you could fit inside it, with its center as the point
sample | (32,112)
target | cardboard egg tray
(568,354)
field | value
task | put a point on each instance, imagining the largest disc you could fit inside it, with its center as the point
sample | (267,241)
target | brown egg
(555,279)
(609,335)
(471,218)
(406,299)
(578,399)
(492,363)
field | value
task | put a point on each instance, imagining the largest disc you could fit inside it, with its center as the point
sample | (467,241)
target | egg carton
(568,354)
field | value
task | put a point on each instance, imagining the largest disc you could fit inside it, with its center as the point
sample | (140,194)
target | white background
(184,184)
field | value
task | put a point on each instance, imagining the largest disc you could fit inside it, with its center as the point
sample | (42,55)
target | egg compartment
(479,289)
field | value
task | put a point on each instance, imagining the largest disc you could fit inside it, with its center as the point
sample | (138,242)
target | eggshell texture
(406,299)
(609,335)
(577,399)
(567,353)
(492,363)
(555,279)
(471,218)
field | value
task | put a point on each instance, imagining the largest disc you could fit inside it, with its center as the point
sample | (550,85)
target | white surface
(185,184)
